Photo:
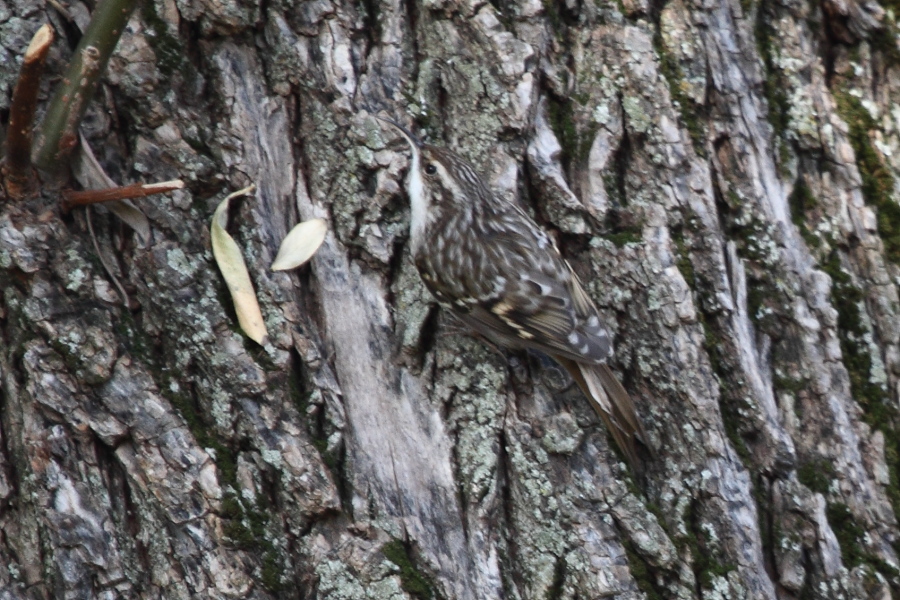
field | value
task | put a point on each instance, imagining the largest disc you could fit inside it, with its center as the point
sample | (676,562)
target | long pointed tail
(613,405)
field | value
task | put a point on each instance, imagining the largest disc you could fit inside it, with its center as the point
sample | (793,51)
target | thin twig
(58,133)
(17,169)
(71,198)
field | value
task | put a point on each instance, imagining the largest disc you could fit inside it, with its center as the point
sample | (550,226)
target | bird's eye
(430,169)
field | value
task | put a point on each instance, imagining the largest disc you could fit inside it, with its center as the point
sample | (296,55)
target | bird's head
(439,178)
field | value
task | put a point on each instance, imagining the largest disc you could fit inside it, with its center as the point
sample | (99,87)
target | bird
(487,261)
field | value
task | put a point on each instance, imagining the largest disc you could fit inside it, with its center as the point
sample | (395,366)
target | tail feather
(612,403)
(621,401)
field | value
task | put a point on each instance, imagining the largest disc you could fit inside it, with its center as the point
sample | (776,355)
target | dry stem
(72,198)
(17,169)
(58,133)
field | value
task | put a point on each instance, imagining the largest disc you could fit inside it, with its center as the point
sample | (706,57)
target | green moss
(732,422)
(575,144)
(710,568)
(683,257)
(611,183)
(877,181)
(712,344)
(245,527)
(413,582)
(846,297)
(884,38)
(801,201)
(245,523)
(691,112)
(756,300)
(706,567)
(731,418)
(728,403)
(553,12)
(873,397)
(622,225)
(272,572)
(641,572)
(774,84)
(789,384)
(764,518)
(848,533)
(622,238)
(816,475)
(170,54)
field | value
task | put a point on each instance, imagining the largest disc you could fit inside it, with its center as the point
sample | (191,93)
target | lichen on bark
(721,176)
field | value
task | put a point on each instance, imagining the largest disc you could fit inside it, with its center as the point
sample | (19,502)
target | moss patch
(246,523)
(413,582)
(728,404)
(877,181)
(683,257)
(884,38)
(170,54)
(850,536)
(846,297)
(873,397)
(641,571)
(774,84)
(246,528)
(575,144)
(706,567)
(622,238)
(848,533)
(692,113)
(801,202)
(816,475)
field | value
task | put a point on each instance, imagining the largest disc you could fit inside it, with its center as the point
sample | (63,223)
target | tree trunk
(722,177)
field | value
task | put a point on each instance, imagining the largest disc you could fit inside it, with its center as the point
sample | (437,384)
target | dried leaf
(234,271)
(91,176)
(300,244)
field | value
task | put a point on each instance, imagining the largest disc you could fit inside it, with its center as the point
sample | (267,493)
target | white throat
(418,200)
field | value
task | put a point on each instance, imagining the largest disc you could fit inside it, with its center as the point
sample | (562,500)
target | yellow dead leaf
(234,271)
(300,244)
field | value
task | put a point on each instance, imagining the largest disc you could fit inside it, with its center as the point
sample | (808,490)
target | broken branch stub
(58,133)
(72,198)
(17,168)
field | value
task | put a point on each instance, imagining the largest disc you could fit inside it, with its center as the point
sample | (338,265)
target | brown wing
(540,303)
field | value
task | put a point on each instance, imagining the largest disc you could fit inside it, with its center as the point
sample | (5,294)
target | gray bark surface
(722,176)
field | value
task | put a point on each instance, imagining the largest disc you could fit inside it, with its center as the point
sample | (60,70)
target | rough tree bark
(723,175)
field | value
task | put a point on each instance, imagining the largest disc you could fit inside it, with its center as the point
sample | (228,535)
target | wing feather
(539,302)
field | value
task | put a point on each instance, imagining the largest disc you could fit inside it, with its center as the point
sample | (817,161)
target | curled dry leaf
(300,244)
(234,271)
(91,176)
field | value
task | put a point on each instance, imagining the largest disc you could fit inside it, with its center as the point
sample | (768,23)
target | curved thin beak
(415,187)
(413,141)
